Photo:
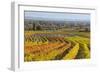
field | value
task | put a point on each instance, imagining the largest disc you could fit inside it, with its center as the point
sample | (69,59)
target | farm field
(58,45)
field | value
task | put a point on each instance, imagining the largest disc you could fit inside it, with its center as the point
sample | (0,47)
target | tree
(38,28)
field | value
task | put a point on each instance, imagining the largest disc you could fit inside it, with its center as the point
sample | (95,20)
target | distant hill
(50,25)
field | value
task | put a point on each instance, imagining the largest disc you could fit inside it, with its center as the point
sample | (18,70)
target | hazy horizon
(52,16)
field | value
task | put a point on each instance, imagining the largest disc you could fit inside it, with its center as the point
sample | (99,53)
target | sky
(52,16)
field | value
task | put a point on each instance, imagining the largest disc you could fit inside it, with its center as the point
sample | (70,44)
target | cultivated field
(43,45)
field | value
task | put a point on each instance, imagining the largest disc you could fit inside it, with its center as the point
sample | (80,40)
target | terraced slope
(42,48)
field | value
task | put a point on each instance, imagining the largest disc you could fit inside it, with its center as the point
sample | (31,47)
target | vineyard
(42,46)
